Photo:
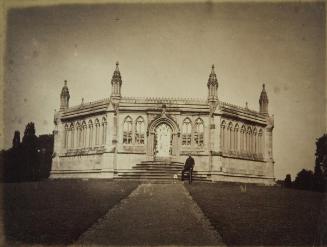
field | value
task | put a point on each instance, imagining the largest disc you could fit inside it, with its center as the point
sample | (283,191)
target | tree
(321,154)
(16,139)
(304,180)
(30,152)
(320,172)
(288,181)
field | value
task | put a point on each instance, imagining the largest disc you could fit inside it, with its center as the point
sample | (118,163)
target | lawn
(58,211)
(261,215)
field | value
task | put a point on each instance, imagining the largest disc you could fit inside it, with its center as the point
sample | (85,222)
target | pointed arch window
(66,133)
(186,132)
(254,141)
(72,135)
(83,138)
(223,135)
(104,131)
(242,139)
(139,130)
(248,140)
(260,142)
(78,135)
(127,130)
(97,132)
(199,132)
(90,133)
(229,139)
(236,138)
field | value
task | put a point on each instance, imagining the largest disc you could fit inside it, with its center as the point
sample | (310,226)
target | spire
(212,77)
(263,100)
(263,95)
(64,90)
(212,86)
(64,97)
(116,77)
(116,83)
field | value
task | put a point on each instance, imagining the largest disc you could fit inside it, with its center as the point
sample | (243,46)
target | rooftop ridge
(238,107)
(88,104)
(164,99)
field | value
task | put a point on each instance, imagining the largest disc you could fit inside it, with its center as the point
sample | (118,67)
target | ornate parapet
(85,151)
(242,155)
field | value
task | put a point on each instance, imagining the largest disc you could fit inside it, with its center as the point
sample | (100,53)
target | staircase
(158,170)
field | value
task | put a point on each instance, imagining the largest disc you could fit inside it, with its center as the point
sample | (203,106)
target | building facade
(105,138)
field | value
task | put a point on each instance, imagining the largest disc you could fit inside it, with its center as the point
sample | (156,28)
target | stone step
(159,177)
(158,170)
(170,175)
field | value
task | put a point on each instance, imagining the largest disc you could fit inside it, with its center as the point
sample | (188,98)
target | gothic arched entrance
(163,140)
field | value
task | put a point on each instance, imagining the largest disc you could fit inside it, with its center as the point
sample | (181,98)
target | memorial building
(150,138)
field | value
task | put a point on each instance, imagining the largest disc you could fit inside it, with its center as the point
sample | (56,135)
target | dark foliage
(316,181)
(288,181)
(28,160)
(304,180)
(321,153)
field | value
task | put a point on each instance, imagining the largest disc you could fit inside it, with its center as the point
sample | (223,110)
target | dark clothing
(188,167)
(189,163)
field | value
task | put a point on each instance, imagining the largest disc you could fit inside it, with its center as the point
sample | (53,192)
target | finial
(117,68)
(213,68)
(263,86)
(246,104)
(65,81)
(82,101)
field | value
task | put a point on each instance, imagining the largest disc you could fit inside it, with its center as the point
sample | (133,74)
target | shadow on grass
(57,211)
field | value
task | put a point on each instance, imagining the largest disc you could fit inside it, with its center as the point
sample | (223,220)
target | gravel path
(153,214)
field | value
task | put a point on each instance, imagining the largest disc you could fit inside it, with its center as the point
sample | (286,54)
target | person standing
(188,167)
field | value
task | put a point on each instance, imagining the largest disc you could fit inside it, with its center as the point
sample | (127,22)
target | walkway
(153,214)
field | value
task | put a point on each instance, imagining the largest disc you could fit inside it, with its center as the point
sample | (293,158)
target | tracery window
(90,133)
(104,130)
(199,132)
(260,142)
(229,139)
(66,133)
(139,130)
(223,135)
(97,132)
(236,137)
(242,139)
(78,135)
(186,132)
(248,139)
(127,130)
(83,130)
(255,143)
(72,136)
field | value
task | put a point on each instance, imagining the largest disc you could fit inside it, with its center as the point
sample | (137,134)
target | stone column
(115,140)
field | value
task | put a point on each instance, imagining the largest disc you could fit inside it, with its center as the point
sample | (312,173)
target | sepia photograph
(163,123)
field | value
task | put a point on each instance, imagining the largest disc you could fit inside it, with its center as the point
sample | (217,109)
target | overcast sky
(167,50)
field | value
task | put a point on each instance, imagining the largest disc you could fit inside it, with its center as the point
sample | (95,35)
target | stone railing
(243,155)
(225,104)
(166,100)
(88,104)
(84,150)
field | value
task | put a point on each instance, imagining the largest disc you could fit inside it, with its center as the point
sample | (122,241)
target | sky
(166,50)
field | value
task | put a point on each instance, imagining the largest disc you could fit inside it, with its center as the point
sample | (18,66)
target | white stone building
(123,137)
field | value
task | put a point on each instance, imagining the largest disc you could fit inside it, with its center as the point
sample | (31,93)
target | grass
(261,215)
(58,211)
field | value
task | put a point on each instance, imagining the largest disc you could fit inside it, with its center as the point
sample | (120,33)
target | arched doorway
(163,141)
